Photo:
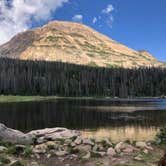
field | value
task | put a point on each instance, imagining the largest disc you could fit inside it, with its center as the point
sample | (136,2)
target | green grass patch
(92,64)
(11,98)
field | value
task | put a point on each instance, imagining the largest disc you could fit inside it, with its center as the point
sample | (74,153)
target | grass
(92,64)
(14,99)
(11,98)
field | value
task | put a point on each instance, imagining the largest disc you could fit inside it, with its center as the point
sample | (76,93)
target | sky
(138,24)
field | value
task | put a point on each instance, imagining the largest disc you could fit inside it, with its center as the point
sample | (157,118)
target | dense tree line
(56,78)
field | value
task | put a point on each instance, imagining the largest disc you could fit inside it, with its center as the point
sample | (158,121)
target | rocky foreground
(60,146)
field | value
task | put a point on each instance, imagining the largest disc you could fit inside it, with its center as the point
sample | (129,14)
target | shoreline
(67,147)
(19,98)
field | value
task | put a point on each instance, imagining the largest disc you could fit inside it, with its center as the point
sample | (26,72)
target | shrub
(28,151)
(161,136)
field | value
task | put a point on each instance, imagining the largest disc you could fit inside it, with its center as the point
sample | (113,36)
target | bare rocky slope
(74,43)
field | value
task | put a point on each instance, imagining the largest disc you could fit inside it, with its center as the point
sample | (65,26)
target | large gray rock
(14,136)
(55,133)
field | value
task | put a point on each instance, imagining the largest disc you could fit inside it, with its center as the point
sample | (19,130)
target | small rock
(72,144)
(98,154)
(48,156)
(2,149)
(37,156)
(145,151)
(40,148)
(88,142)
(51,145)
(34,163)
(68,141)
(149,143)
(95,147)
(16,163)
(149,148)
(78,140)
(141,145)
(122,162)
(61,153)
(124,147)
(138,158)
(39,151)
(40,140)
(111,152)
(118,147)
(128,150)
(87,156)
(108,142)
(83,148)
(100,147)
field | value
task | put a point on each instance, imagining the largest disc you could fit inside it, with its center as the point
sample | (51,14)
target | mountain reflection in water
(134,119)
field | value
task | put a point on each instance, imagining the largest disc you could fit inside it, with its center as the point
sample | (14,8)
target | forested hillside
(55,78)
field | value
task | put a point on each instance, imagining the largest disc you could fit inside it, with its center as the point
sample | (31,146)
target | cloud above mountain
(106,15)
(77,18)
(19,15)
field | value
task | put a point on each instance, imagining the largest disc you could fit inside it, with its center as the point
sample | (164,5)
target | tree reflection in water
(95,117)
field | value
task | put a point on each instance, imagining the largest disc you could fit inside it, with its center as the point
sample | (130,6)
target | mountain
(74,43)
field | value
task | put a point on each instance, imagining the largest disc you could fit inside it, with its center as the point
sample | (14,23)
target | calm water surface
(116,119)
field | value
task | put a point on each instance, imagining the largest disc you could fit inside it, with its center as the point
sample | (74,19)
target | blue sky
(139,24)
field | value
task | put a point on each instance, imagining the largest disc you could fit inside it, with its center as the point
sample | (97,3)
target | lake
(117,119)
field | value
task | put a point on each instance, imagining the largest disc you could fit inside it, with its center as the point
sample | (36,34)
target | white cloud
(18,15)
(94,20)
(107,12)
(108,9)
(77,18)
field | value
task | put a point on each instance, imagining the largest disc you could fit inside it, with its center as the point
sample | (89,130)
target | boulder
(14,136)
(55,133)
(36,136)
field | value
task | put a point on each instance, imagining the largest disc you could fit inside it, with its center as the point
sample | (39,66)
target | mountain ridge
(74,43)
